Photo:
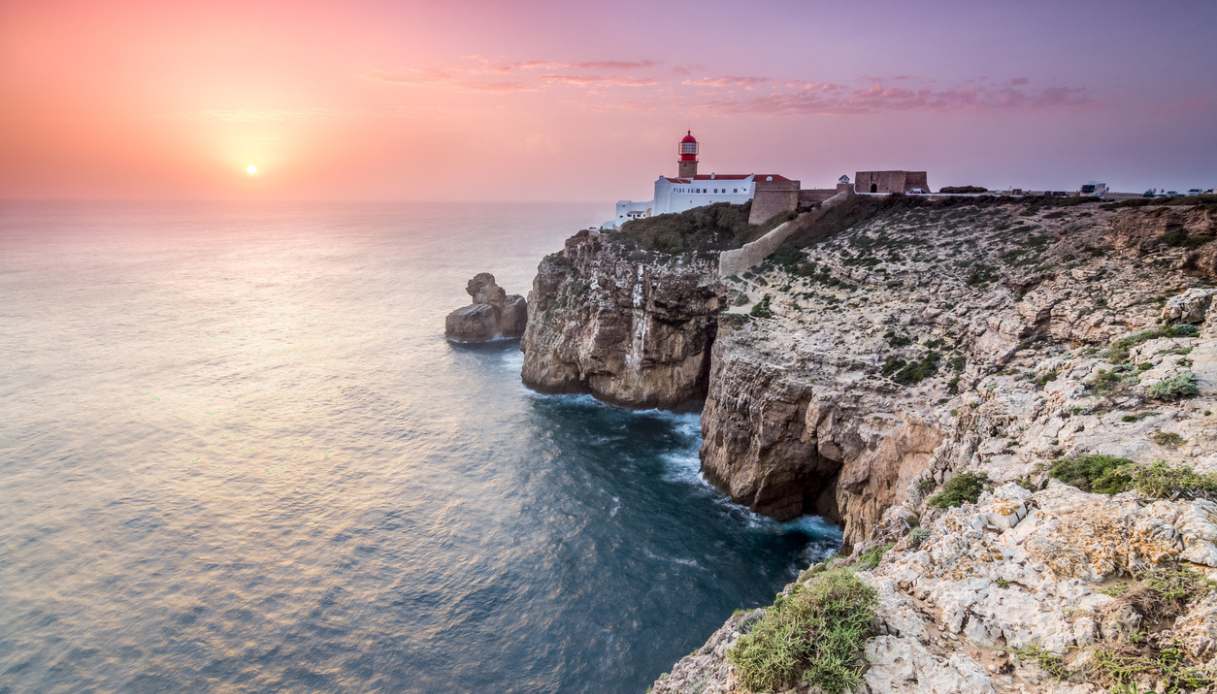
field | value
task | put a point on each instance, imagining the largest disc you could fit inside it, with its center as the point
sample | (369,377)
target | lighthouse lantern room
(687,165)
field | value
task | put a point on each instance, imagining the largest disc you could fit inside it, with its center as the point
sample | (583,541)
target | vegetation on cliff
(811,636)
(1108,474)
(711,228)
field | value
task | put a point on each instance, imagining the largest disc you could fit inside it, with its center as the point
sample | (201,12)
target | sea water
(236,453)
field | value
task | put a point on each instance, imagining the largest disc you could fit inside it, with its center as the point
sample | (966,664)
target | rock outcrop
(630,326)
(992,339)
(493,314)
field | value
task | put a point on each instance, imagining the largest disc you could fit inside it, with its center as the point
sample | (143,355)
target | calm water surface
(237,454)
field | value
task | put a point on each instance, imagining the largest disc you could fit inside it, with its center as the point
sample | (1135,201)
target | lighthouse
(769,193)
(687,164)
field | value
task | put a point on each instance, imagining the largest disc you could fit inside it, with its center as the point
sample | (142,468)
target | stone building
(891,182)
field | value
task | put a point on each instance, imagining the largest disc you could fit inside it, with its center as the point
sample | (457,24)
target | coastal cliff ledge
(1010,405)
(631,326)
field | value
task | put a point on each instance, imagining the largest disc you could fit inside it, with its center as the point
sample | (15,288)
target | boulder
(514,316)
(492,314)
(473,323)
(484,290)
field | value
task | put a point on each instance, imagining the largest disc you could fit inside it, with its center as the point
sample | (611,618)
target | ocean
(237,454)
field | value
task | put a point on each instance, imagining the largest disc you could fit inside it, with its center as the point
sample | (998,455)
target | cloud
(741,82)
(554,65)
(598,81)
(758,94)
(882,96)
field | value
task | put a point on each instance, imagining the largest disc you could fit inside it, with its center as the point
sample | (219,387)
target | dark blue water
(237,454)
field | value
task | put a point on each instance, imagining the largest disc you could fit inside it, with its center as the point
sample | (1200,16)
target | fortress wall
(772,198)
(809,196)
(752,254)
(891,181)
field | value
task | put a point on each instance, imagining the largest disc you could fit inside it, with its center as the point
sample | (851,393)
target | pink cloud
(794,97)
(741,82)
(598,81)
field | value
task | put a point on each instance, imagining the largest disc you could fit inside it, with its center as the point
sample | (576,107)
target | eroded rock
(493,313)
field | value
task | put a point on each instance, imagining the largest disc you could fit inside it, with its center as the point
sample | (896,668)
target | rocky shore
(1010,406)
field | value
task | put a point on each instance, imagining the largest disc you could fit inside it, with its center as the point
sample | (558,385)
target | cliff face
(862,378)
(904,346)
(629,326)
(995,340)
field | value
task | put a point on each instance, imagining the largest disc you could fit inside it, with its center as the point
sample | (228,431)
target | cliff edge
(1009,404)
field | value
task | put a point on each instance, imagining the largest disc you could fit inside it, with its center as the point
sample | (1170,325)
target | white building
(690,189)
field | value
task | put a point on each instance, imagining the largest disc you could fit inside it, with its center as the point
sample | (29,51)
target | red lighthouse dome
(688,147)
(686,166)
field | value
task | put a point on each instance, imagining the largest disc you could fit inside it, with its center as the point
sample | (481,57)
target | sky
(586,101)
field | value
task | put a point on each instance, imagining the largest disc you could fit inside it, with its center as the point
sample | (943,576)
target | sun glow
(251,170)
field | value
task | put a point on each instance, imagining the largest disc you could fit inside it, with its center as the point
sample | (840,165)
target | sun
(251,169)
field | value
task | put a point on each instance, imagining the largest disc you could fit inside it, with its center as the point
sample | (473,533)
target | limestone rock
(513,316)
(925,342)
(484,290)
(1189,307)
(492,314)
(473,323)
(630,326)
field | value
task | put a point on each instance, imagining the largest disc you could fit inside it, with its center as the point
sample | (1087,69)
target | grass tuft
(870,558)
(813,636)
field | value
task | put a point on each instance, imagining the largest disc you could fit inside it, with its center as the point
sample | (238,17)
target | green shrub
(1167,439)
(813,636)
(909,373)
(1176,387)
(1102,474)
(1118,351)
(761,308)
(1106,474)
(1162,481)
(964,487)
(1106,382)
(709,228)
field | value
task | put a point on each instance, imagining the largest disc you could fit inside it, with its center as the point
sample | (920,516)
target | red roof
(721,177)
(688,137)
(776,177)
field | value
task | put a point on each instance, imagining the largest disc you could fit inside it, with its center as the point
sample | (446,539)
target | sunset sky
(585,101)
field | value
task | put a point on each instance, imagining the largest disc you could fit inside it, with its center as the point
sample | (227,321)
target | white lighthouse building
(689,189)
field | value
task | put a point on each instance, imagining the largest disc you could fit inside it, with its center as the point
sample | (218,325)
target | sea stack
(493,314)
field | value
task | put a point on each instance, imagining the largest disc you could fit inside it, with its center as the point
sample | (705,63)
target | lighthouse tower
(687,164)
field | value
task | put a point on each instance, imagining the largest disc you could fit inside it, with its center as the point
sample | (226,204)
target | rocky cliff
(1011,408)
(1009,405)
(629,325)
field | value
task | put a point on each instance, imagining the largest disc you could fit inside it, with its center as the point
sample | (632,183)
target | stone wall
(772,198)
(890,181)
(811,196)
(752,254)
